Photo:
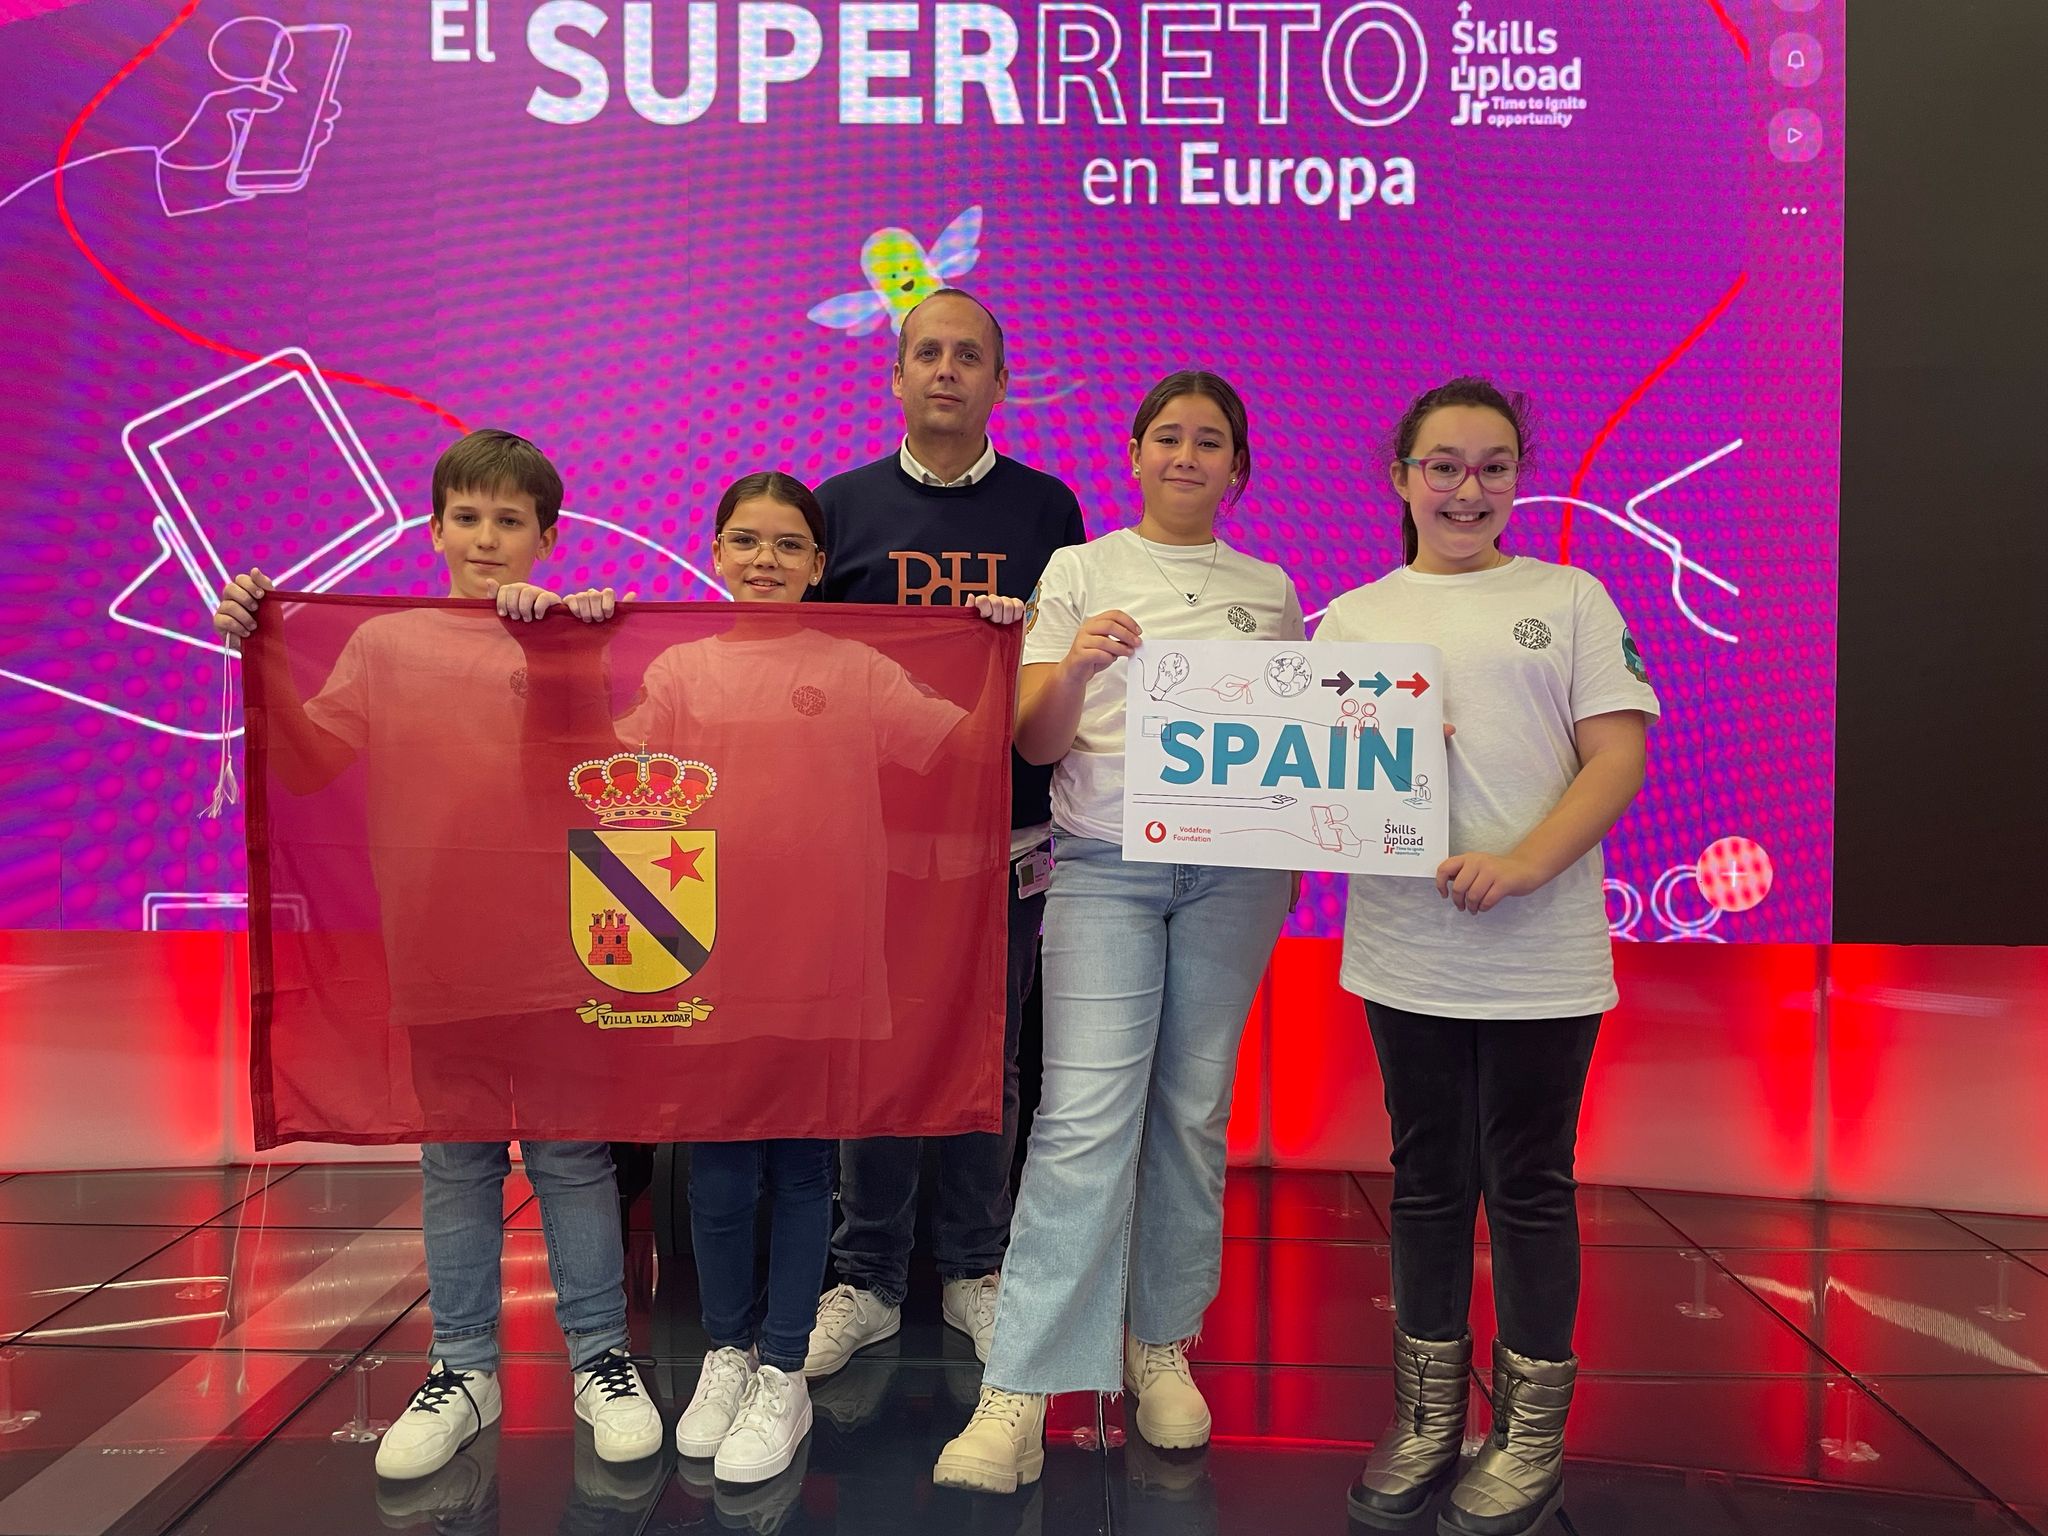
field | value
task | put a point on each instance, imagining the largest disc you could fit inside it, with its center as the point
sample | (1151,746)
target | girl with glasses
(1484,990)
(751,1408)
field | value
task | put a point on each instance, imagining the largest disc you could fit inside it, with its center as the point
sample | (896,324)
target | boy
(496,499)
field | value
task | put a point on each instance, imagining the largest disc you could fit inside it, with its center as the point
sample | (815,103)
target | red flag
(708,871)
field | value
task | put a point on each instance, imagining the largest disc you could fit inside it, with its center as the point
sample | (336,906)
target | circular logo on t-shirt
(1241,618)
(1533,633)
(807,700)
(518,682)
(1155,831)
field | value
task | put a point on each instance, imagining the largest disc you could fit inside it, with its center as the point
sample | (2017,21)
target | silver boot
(1517,1480)
(1416,1456)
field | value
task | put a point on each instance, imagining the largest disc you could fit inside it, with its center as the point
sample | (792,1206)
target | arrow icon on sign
(1377,683)
(1418,684)
(1341,682)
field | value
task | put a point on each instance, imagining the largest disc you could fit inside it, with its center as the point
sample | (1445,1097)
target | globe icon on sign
(1289,674)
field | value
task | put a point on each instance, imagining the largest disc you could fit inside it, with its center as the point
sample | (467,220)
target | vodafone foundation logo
(1155,831)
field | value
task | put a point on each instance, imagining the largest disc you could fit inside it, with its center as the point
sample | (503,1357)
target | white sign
(1286,755)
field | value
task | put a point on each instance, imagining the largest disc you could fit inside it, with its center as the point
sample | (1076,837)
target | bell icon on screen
(1796,59)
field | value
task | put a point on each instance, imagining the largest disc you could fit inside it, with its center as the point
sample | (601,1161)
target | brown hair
(776,486)
(1212,387)
(995,325)
(489,461)
(1467,389)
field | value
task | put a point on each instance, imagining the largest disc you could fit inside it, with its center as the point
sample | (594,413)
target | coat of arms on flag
(643,890)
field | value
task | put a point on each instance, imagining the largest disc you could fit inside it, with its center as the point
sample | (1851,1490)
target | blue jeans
(1149,972)
(725,1189)
(464,1215)
(878,1177)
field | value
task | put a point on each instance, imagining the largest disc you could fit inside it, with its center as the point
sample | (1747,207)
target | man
(941,519)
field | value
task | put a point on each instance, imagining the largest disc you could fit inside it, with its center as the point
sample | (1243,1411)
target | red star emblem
(680,865)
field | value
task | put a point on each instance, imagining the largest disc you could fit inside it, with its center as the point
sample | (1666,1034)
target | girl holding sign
(1484,992)
(1149,971)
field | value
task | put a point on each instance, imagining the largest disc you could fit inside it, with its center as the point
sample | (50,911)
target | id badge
(1034,873)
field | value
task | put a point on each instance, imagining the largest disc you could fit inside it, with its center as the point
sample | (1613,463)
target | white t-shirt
(434,698)
(843,710)
(1530,649)
(1238,597)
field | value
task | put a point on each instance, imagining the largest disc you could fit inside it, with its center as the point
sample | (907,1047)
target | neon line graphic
(1662,539)
(1734,31)
(164,489)
(119,714)
(717,587)
(35,181)
(1630,521)
(184,733)
(64,161)
(155,904)
(1564,536)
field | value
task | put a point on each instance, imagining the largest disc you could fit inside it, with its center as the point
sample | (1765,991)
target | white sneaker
(1172,1413)
(774,1417)
(612,1399)
(445,1414)
(1003,1444)
(848,1319)
(970,1306)
(716,1402)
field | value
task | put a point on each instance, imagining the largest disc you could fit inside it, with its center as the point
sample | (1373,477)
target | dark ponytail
(1464,390)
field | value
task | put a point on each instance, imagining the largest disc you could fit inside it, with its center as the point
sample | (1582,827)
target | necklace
(1194,596)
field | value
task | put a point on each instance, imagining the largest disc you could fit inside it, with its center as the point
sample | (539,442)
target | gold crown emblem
(643,789)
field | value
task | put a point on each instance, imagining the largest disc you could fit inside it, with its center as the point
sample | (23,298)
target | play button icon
(1795,135)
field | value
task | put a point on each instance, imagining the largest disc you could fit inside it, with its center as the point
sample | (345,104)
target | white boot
(1172,1413)
(1003,1444)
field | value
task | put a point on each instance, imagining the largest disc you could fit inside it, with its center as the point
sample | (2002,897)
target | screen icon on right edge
(1795,135)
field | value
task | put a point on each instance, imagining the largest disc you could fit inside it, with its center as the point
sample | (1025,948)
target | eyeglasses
(1446,474)
(790,549)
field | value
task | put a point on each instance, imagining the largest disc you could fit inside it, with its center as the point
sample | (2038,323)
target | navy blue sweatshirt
(891,539)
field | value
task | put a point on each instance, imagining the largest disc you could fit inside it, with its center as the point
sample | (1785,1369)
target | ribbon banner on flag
(708,871)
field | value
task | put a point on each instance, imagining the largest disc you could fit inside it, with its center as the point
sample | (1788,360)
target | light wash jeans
(1149,972)
(464,1216)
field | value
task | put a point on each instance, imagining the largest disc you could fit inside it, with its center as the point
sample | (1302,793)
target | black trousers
(1485,1109)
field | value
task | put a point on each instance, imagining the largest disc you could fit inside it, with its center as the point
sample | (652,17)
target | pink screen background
(635,296)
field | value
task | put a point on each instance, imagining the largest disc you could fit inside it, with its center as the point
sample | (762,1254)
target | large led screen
(263,261)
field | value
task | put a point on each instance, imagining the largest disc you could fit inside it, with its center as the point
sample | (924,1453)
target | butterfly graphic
(901,274)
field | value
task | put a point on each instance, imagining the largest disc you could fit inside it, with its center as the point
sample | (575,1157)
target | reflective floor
(213,1351)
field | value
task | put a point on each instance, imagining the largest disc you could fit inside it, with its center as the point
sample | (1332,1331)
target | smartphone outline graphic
(284,51)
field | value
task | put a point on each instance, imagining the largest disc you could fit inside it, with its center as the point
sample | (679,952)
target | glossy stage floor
(208,1352)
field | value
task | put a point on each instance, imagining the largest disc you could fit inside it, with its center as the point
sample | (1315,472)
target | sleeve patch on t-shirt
(1634,657)
(1031,608)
